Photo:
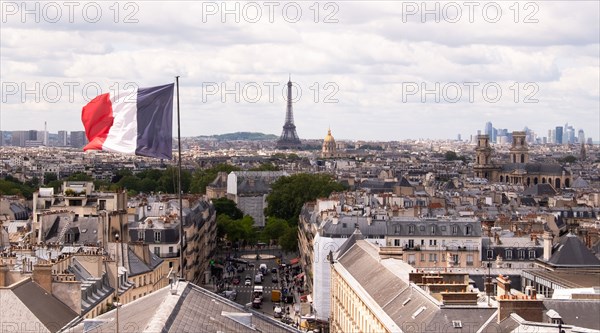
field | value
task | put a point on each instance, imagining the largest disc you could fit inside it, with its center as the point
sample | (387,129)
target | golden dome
(329,137)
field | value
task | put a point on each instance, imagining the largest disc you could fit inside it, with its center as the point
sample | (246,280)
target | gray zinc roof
(571,251)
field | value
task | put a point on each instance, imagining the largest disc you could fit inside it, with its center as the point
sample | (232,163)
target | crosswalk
(251,288)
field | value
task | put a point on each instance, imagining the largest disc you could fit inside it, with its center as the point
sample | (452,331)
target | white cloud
(367,56)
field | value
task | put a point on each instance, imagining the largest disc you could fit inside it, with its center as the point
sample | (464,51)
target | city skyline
(366,71)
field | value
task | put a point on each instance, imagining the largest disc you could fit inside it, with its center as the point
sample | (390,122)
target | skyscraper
(581,136)
(559,135)
(78,139)
(62,138)
(488,130)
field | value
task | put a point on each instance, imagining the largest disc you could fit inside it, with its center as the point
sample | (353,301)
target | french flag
(137,122)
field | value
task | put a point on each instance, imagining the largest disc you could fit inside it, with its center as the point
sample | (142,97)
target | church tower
(484,168)
(519,153)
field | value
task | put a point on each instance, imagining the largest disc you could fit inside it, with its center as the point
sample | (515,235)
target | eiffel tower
(289,138)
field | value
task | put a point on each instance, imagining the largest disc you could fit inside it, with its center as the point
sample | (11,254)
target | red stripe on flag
(97,118)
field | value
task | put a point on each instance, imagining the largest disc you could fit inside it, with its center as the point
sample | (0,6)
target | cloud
(359,62)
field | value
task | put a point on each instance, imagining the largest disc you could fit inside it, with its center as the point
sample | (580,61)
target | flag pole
(181,234)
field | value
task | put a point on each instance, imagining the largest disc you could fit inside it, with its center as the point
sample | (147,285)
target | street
(235,279)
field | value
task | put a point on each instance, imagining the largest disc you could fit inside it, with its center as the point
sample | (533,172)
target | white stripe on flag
(122,136)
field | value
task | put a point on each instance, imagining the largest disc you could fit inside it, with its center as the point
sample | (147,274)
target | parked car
(248,282)
(278,311)
(273,270)
(256,303)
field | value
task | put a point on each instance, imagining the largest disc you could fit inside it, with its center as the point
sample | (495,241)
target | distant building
(78,139)
(249,189)
(62,138)
(519,170)
(559,135)
(329,147)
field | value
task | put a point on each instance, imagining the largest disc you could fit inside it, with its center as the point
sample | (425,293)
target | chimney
(42,275)
(3,273)
(502,286)
(141,250)
(547,237)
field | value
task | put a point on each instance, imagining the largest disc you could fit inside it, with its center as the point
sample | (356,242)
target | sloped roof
(356,235)
(580,183)
(53,313)
(581,313)
(408,306)
(540,190)
(136,265)
(533,168)
(571,251)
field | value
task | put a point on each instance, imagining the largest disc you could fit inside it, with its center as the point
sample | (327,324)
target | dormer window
(454,229)
(469,229)
(411,229)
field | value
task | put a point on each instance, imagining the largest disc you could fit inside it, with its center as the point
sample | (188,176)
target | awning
(294,261)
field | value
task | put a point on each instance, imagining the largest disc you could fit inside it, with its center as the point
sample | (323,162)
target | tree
(49,177)
(289,194)
(450,156)
(289,240)
(237,230)
(227,207)
(80,176)
(265,167)
(274,229)
(568,159)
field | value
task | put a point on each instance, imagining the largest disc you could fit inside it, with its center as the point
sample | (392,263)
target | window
(456,324)
(422,228)
(396,242)
(433,257)
(411,259)
(411,229)
(454,229)
(141,235)
(433,242)
(432,229)
(170,249)
(469,229)
(508,254)
(521,254)
(469,260)
(157,236)
(422,242)
(157,250)
(455,258)
(490,254)
(411,243)
(344,225)
(422,256)
(532,254)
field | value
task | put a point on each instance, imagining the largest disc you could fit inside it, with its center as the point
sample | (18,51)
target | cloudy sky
(385,70)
